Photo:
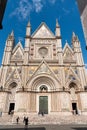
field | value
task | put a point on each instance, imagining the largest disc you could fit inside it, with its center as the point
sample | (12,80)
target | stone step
(46,119)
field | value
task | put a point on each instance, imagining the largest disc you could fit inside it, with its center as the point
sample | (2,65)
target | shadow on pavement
(79,128)
(34,128)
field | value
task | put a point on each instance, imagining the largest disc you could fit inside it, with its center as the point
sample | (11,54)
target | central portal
(43,104)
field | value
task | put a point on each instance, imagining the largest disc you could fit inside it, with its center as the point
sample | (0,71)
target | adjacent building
(82,4)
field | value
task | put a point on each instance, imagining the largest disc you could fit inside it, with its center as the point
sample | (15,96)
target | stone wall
(82,4)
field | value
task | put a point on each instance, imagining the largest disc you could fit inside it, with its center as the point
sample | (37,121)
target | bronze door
(43,104)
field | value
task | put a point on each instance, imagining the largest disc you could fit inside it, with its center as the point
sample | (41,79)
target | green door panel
(43,104)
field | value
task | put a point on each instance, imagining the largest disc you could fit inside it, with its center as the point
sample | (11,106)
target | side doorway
(11,102)
(11,108)
(74,108)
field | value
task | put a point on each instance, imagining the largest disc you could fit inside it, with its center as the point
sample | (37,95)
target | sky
(19,12)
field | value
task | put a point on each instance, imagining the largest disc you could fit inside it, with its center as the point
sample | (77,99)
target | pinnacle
(28,25)
(73,34)
(57,24)
(12,33)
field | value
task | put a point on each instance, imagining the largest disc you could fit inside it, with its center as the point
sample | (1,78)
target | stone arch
(73,87)
(43,88)
(39,80)
(12,85)
(11,96)
(10,82)
(75,82)
(12,88)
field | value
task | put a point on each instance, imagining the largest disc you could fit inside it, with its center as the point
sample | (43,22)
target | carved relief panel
(43,51)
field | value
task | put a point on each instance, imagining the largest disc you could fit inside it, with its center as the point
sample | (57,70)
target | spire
(75,41)
(57,31)
(12,33)
(73,34)
(74,37)
(29,25)
(28,29)
(11,36)
(57,24)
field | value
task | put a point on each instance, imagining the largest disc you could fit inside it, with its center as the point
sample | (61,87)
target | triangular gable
(42,68)
(71,75)
(14,76)
(43,32)
(68,53)
(18,52)
(45,69)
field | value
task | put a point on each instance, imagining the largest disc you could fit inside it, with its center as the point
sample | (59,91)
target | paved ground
(45,127)
(47,119)
(48,122)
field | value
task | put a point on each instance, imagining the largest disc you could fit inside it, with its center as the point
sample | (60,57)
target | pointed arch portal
(11,104)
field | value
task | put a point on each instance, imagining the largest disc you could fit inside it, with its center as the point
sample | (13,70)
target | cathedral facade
(43,76)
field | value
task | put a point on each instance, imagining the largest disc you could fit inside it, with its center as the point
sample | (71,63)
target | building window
(43,88)
(43,51)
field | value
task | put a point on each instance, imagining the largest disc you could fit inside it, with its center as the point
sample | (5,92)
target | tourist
(17,119)
(25,121)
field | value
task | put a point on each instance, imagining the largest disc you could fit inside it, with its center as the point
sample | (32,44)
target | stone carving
(10,69)
(56,71)
(43,69)
(68,55)
(18,55)
(43,51)
(65,104)
(43,32)
(73,95)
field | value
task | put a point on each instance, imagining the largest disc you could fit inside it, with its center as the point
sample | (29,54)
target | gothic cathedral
(43,76)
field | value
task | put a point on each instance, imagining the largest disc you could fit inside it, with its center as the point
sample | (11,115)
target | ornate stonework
(43,73)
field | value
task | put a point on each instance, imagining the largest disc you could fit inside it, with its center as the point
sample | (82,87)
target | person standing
(25,121)
(17,119)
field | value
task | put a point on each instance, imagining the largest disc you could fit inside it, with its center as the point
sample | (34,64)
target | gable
(43,68)
(68,54)
(17,53)
(70,74)
(43,32)
(14,75)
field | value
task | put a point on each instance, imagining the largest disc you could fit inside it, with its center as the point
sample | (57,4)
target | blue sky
(19,12)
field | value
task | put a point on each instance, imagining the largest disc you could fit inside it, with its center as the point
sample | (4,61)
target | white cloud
(23,10)
(25,7)
(38,5)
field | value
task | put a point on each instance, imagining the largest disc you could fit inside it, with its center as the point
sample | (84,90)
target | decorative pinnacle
(28,25)
(12,33)
(73,34)
(57,24)
(74,37)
